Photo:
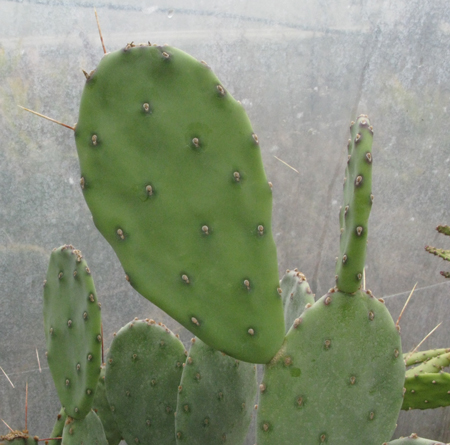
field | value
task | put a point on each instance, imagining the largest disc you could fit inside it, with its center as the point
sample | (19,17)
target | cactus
(216,398)
(354,214)
(102,408)
(172,173)
(88,430)
(338,377)
(143,372)
(426,385)
(296,294)
(72,324)
(423,356)
(58,428)
(442,253)
(413,439)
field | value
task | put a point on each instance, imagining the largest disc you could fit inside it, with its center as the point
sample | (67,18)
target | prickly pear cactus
(414,439)
(354,214)
(216,398)
(338,377)
(72,323)
(172,173)
(101,407)
(423,356)
(442,253)
(296,294)
(427,386)
(433,364)
(427,391)
(58,428)
(143,372)
(88,430)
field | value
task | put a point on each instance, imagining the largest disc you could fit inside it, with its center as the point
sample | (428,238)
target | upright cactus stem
(354,214)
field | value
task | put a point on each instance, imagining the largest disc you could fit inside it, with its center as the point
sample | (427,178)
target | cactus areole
(172,173)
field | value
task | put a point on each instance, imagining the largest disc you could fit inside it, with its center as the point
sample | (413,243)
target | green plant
(172,173)
(442,253)
(339,375)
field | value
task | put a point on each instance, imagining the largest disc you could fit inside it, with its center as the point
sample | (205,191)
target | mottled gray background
(303,70)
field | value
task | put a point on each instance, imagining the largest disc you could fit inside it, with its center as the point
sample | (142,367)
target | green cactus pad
(58,427)
(72,323)
(216,398)
(423,356)
(432,365)
(172,173)
(414,439)
(338,377)
(427,391)
(101,407)
(296,294)
(84,431)
(143,372)
(354,214)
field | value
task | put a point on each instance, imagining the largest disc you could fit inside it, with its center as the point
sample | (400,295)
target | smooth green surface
(173,176)
(338,378)
(72,322)
(101,407)
(427,391)
(216,398)
(143,372)
(355,211)
(87,431)
(296,294)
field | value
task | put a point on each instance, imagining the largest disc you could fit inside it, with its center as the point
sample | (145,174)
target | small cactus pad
(216,398)
(296,294)
(143,372)
(172,173)
(84,431)
(427,391)
(423,356)
(414,439)
(101,407)
(338,377)
(354,214)
(441,253)
(431,365)
(58,427)
(72,323)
